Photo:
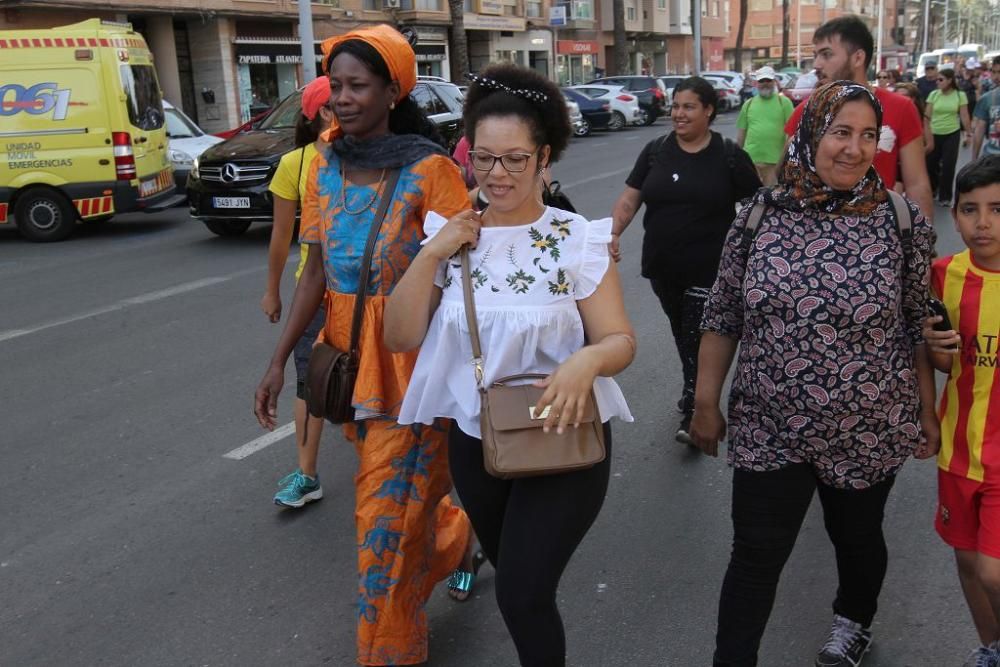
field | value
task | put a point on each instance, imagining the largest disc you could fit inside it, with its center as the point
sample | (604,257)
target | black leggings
(529,529)
(684,306)
(941,164)
(767,511)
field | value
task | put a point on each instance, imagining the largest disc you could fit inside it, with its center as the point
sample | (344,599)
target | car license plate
(231,202)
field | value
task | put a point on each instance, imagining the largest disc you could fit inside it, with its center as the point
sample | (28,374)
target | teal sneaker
(298,489)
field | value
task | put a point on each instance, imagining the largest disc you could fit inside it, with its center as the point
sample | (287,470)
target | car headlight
(179,158)
(194,169)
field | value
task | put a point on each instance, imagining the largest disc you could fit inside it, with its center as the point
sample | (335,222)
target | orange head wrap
(394,49)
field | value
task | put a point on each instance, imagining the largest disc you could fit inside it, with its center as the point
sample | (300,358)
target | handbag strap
(366,263)
(470,317)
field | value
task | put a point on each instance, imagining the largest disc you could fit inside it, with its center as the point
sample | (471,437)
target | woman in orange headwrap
(409,535)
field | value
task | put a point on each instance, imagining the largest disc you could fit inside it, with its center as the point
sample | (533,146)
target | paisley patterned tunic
(827,317)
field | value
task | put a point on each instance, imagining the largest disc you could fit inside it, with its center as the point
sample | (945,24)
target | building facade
(762,39)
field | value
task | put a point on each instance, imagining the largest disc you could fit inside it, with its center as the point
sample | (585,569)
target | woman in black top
(690,182)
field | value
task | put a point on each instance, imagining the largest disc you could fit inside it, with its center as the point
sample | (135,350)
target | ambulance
(82,133)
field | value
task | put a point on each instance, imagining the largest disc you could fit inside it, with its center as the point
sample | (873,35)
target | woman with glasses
(549,301)
(690,182)
(947,116)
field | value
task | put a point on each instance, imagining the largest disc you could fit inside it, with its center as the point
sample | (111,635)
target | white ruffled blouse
(527,280)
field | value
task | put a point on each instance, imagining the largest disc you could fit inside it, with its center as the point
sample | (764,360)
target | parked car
(624,107)
(575,117)
(670,82)
(734,79)
(800,88)
(784,78)
(596,113)
(228,185)
(228,134)
(185,142)
(729,97)
(650,90)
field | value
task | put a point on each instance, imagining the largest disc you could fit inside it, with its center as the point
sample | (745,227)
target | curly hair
(508,94)
(407,117)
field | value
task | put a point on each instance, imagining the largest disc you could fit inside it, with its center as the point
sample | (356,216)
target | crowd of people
(802,263)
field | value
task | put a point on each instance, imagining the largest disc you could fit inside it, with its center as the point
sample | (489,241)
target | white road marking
(597,177)
(148,297)
(260,443)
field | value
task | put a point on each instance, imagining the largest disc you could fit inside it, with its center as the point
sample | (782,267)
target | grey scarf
(389,151)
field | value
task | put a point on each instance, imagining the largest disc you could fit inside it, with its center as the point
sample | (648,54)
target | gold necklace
(343,193)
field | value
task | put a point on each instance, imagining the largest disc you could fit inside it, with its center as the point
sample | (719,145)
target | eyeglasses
(512,162)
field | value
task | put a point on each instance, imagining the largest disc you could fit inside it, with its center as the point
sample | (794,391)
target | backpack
(900,210)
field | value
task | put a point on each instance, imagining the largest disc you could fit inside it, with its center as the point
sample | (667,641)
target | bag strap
(904,224)
(366,265)
(471,319)
(753,222)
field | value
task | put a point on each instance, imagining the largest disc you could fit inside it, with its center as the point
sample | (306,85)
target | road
(130,355)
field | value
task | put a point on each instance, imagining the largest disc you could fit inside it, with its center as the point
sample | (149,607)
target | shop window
(760,32)
(533,9)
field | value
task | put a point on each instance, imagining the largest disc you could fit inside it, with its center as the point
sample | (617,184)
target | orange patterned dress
(409,534)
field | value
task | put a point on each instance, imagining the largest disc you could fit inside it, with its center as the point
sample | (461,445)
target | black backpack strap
(904,224)
(656,147)
(730,147)
(753,222)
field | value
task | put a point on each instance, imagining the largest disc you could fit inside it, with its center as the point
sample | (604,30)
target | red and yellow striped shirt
(970,405)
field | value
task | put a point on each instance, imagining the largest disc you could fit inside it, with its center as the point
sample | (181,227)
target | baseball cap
(765,73)
(315,95)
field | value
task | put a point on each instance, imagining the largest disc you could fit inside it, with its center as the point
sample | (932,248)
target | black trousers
(529,529)
(941,164)
(684,305)
(767,512)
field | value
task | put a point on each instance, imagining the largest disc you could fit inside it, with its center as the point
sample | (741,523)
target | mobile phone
(935,307)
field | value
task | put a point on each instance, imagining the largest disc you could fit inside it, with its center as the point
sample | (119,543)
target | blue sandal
(463,580)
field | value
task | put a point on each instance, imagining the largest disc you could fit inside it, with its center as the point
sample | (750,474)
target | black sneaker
(846,646)
(684,432)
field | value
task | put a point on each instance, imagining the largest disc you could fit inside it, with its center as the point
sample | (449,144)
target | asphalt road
(129,357)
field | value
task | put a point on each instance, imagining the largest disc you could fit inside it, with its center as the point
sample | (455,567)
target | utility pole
(308,44)
(927,14)
(944,41)
(878,41)
(696,25)
(798,34)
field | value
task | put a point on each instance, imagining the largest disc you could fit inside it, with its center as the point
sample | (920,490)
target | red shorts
(968,515)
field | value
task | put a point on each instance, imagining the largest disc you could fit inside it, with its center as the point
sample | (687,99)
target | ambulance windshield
(145,106)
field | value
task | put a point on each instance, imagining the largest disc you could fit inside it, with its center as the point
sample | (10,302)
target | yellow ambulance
(82,133)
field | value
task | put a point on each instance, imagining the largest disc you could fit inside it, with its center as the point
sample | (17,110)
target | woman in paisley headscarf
(409,534)
(825,304)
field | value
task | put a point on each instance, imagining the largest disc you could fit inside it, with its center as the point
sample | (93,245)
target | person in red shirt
(844,48)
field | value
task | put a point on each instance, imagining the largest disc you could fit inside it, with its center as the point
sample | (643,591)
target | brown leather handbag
(332,373)
(514,444)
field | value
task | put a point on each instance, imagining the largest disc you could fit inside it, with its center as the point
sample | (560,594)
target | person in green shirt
(947,114)
(760,129)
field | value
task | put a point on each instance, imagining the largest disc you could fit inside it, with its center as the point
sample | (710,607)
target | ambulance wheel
(43,214)
(228,227)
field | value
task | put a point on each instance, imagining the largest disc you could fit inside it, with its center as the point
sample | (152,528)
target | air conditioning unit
(390,4)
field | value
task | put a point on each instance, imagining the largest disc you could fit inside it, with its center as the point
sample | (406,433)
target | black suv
(649,89)
(228,185)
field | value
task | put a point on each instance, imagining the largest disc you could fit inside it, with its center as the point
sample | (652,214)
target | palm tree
(458,45)
(738,61)
(620,48)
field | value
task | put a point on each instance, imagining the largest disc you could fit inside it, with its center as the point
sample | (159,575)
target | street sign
(557,16)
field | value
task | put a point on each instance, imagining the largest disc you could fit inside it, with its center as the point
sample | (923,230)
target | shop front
(495,38)
(575,61)
(432,51)
(268,70)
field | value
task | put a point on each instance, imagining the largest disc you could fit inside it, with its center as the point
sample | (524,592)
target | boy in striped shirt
(968,516)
